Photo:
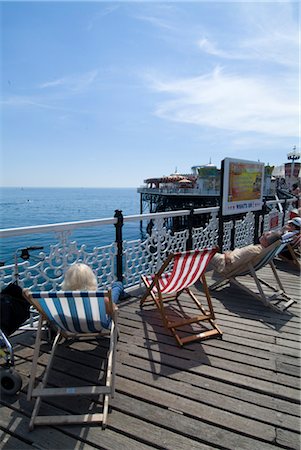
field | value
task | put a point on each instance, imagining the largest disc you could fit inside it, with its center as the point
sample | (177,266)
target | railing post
(285,206)
(220,237)
(233,234)
(190,226)
(258,232)
(118,240)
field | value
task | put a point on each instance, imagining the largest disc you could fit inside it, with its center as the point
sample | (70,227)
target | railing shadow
(237,301)
(72,366)
(164,355)
(288,267)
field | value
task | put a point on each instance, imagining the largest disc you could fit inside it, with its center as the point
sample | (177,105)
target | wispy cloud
(54,94)
(103,12)
(276,48)
(34,101)
(158,22)
(230,102)
(73,83)
(269,34)
(244,93)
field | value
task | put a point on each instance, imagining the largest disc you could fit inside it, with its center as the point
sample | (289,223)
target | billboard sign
(242,187)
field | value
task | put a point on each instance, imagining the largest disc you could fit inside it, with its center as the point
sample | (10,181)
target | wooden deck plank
(242,391)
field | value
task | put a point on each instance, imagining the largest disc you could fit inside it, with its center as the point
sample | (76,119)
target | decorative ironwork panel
(147,256)
(206,237)
(47,270)
(227,229)
(272,220)
(244,231)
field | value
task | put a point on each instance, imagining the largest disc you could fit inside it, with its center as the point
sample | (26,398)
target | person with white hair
(292,233)
(80,277)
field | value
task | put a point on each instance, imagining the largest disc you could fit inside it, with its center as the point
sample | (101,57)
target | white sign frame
(230,206)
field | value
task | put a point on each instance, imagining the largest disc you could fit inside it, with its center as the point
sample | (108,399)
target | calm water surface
(21,207)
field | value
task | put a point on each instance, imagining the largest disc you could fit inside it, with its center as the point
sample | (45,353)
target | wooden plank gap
(177,411)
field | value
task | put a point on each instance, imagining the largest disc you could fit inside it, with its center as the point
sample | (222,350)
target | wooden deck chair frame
(157,293)
(278,300)
(294,250)
(95,299)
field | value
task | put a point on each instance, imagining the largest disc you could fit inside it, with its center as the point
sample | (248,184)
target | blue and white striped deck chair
(73,315)
(273,296)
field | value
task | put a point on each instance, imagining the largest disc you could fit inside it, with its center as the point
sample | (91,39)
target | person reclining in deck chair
(80,277)
(292,233)
(239,257)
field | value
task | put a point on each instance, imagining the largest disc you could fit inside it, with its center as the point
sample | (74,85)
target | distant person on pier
(296,191)
(80,277)
(239,257)
(295,213)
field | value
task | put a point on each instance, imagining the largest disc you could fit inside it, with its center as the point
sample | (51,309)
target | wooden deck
(239,392)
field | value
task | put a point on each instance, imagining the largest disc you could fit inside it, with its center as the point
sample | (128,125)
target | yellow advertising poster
(242,186)
(244,182)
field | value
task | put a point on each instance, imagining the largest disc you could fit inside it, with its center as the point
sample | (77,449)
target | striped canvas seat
(73,312)
(272,295)
(187,268)
(74,315)
(266,256)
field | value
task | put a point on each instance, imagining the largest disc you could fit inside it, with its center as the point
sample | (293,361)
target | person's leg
(117,291)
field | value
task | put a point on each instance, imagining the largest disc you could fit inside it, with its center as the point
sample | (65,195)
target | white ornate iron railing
(128,259)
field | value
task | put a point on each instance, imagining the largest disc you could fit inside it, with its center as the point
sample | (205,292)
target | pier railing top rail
(126,259)
(60,227)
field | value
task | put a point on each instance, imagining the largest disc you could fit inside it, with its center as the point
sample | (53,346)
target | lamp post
(293,156)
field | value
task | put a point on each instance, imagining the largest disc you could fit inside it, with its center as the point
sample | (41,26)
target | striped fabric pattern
(296,243)
(269,256)
(74,311)
(187,269)
(265,258)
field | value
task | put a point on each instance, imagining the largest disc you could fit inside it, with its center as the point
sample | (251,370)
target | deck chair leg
(267,300)
(159,302)
(110,378)
(262,294)
(112,360)
(34,413)
(219,284)
(43,383)
(114,345)
(207,293)
(35,359)
(276,276)
(208,297)
(148,292)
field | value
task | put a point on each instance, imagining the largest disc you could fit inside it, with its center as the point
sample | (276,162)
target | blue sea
(21,207)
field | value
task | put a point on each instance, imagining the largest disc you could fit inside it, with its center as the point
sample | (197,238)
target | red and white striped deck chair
(188,268)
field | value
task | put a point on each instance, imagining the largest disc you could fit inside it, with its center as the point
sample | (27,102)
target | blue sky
(106,94)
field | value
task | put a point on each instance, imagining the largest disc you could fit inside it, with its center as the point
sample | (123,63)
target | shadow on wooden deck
(239,392)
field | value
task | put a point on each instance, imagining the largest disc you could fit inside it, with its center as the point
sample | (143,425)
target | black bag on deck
(14,308)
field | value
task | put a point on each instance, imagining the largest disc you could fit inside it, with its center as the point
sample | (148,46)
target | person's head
(295,223)
(295,185)
(295,213)
(79,277)
(269,238)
